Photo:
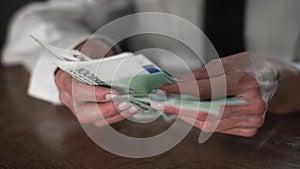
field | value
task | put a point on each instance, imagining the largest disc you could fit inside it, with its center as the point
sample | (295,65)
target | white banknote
(135,77)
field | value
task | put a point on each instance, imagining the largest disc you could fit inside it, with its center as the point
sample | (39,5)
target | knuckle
(57,81)
(60,78)
(108,110)
(260,106)
(258,122)
(62,98)
(252,122)
(65,101)
(249,133)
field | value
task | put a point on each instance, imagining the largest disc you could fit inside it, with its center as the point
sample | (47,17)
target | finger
(92,112)
(67,100)
(245,132)
(200,88)
(257,107)
(117,118)
(62,77)
(85,112)
(83,92)
(254,104)
(188,113)
(229,84)
(228,112)
(226,124)
(248,121)
(219,66)
(79,91)
(214,68)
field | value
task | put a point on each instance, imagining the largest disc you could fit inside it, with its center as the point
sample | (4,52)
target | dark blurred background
(7,9)
(232,23)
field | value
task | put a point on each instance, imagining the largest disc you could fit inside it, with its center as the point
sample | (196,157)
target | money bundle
(135,77)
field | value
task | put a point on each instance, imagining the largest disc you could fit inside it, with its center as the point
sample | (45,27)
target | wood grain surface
(35,134)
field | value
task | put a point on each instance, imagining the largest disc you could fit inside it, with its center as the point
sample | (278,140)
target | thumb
(199,88)
(186,88)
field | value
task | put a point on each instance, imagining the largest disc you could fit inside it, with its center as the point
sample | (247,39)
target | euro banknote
(135,77)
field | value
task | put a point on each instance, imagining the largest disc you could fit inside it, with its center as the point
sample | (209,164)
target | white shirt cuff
(42,80)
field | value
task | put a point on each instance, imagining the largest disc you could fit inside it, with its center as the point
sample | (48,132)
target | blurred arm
(61,23)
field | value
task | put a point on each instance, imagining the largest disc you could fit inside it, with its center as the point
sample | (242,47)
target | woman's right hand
(85,101)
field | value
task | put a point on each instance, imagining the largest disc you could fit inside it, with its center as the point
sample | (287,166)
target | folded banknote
(135,77)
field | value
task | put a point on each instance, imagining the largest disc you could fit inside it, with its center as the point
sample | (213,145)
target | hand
(248,77)
(86,101)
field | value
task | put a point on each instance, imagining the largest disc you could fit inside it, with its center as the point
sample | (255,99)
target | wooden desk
(35,134)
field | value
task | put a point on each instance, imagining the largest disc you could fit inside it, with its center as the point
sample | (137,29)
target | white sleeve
(56,22)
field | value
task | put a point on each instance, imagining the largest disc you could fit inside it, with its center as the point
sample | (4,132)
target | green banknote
(184,102)
(142,84)
(134,76)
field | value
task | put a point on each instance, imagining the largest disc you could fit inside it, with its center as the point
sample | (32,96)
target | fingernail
(133,110)
(160,91)
(110,96)
(157,106)
(123,106)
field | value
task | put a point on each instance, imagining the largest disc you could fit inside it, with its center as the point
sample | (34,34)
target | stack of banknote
(135,77)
